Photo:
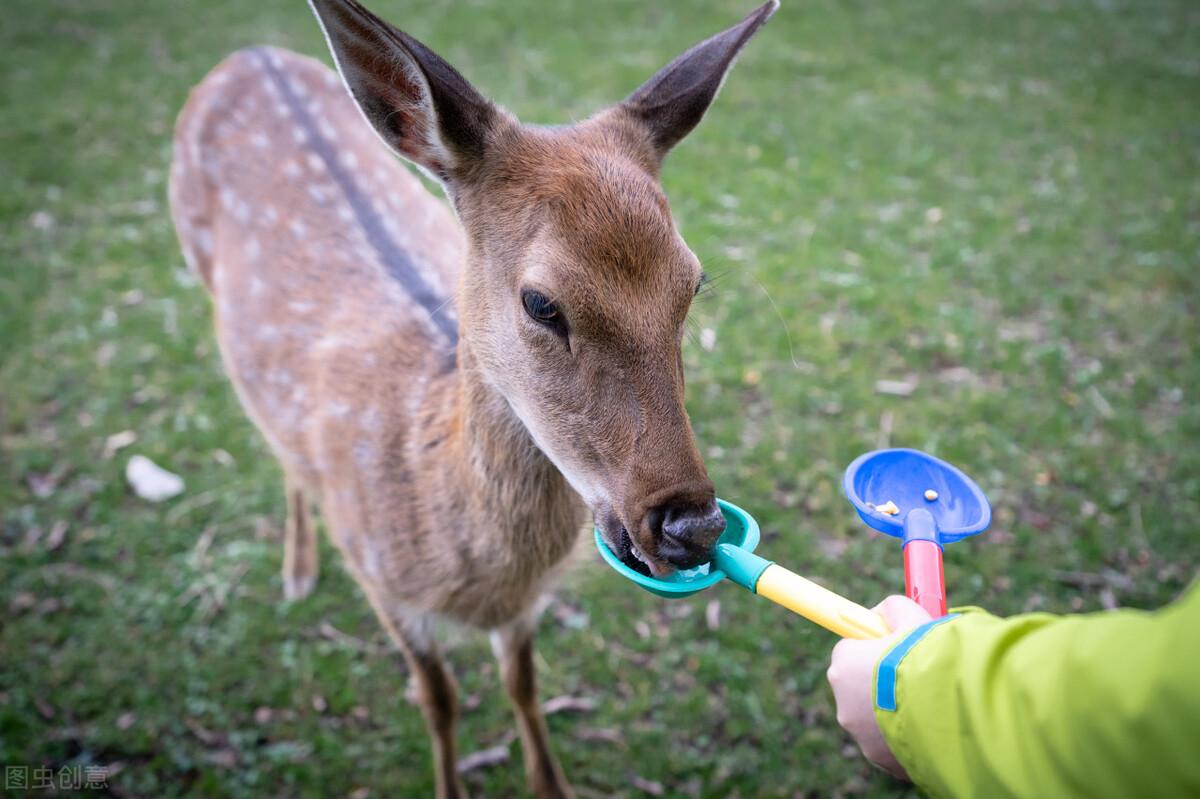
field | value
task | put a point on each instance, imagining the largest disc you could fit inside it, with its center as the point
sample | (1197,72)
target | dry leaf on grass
(712,615)
(652,787)
(44,708)
(484,758)
(609,735)
(118,441)
(896,388)
(568,704)
(202,733)
(222,758)
(58,534)
(44,485)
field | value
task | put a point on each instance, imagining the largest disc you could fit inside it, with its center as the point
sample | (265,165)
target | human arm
(1034,705)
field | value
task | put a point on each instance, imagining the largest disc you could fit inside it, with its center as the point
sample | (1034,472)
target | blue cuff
(885,673)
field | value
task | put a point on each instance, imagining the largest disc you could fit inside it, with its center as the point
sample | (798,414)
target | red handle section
(923,579)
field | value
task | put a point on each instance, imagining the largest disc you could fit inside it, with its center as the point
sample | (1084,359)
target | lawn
(994,204)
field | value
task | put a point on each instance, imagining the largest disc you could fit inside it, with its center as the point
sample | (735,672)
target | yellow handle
(832,611)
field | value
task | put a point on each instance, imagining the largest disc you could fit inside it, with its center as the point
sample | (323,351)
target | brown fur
(449,480)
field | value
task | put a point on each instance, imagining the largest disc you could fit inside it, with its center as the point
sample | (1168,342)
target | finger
(842,654)
(842,649)
(901,613)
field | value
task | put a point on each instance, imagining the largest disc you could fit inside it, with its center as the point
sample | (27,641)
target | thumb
(901,613)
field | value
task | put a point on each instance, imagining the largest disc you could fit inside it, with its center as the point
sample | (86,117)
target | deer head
(573,301)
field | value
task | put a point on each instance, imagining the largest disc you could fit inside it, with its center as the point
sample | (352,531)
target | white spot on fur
(297,227)
(257,286)
(345,213)
(348,159)
(371,560)
(429,276)
(318,194)
(301,306)
(363,453)
(234,205)
(338,409)
(298,135)
(260,141)
(204,241)
(389,224)
(270,215)
(315,163)
(299,331)
(291,170)
(253,249)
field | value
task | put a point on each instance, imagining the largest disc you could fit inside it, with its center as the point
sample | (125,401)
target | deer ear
(671,103)
(421,107)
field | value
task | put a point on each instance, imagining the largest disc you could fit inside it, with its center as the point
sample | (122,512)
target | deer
(455,386)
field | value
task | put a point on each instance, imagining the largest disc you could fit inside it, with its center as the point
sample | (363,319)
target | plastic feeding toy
(889,488)
(924,501)
(734,558)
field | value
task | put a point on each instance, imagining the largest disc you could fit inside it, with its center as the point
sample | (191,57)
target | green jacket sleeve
(1097,705)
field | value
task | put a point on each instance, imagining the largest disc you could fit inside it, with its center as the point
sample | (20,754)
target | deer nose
(688,532)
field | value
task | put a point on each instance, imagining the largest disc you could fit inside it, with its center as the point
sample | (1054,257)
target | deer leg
(513,645)
(300,565)
(436,692)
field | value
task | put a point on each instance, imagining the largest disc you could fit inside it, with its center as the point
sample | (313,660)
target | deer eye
(543,311)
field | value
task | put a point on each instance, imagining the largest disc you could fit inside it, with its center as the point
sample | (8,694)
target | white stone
(150,481)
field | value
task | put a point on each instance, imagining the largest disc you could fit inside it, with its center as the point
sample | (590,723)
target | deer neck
(511,483)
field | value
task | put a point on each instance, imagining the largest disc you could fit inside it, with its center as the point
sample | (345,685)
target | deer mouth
(629,553)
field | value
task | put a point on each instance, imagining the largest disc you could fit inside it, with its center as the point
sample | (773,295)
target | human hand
(851,675)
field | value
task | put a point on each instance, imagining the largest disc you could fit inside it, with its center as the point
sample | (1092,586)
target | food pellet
(888,507)
(930,494)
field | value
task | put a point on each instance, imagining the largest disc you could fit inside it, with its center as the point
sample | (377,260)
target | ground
(993,205)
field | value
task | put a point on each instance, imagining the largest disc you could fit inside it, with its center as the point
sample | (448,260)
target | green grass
(1047,311)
